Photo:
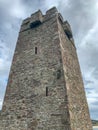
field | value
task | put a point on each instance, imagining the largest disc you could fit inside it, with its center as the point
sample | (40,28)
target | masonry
(45,89)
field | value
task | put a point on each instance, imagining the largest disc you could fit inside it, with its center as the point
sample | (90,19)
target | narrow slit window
(35,50)
(46,91)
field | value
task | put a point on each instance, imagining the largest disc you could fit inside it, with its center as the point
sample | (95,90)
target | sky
(83,18)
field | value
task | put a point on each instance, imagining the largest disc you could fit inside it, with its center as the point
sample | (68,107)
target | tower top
(38,15)
(38,18)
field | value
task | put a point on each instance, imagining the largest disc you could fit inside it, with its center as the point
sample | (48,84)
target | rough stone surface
(45,88)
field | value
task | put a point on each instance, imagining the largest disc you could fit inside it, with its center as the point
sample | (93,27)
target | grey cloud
(94,110)
(95,73)
(94,113)
(88,82)
(0,104)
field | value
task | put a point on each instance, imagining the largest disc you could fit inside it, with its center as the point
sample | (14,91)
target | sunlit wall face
(83,17)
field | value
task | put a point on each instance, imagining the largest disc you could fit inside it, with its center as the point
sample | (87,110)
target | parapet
(51,12)
(33,21)
(60,18)
(66,25)
(67,30)
(38,18)
(25,24)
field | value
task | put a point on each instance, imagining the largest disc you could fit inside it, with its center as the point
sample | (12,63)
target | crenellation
(66,25)
(52,11)
(25,24)
(60,18)
(68,32)
(67,29)
(36,17)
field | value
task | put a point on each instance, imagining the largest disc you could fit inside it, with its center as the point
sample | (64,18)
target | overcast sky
(83,17)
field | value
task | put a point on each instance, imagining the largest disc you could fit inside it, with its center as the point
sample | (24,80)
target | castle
(45,89)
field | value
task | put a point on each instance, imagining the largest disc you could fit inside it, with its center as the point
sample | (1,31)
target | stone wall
(78,109)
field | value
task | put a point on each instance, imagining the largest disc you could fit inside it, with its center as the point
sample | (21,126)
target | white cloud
(15,8)
(90,35)
(4,59)
(51,3)
(18,9)
(4,67)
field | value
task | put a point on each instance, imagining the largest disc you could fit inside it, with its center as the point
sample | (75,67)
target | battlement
(33,21)
(67,29)
(51,12)
(37,18)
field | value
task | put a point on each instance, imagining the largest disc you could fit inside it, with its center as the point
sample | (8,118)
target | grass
(95,122)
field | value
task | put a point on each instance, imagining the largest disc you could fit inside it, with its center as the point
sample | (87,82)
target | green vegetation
(95,122)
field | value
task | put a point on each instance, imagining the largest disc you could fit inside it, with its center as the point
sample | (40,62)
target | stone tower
(45,88)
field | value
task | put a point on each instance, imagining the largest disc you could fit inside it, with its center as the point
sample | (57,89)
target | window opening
(46,91)
(58,74)
(35,24)
(68,33)
(35,50)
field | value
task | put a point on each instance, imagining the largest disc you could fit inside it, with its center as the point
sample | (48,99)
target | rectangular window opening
(35,50)
(46,91)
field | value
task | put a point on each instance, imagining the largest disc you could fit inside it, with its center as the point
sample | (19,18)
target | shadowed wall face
(45,79)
